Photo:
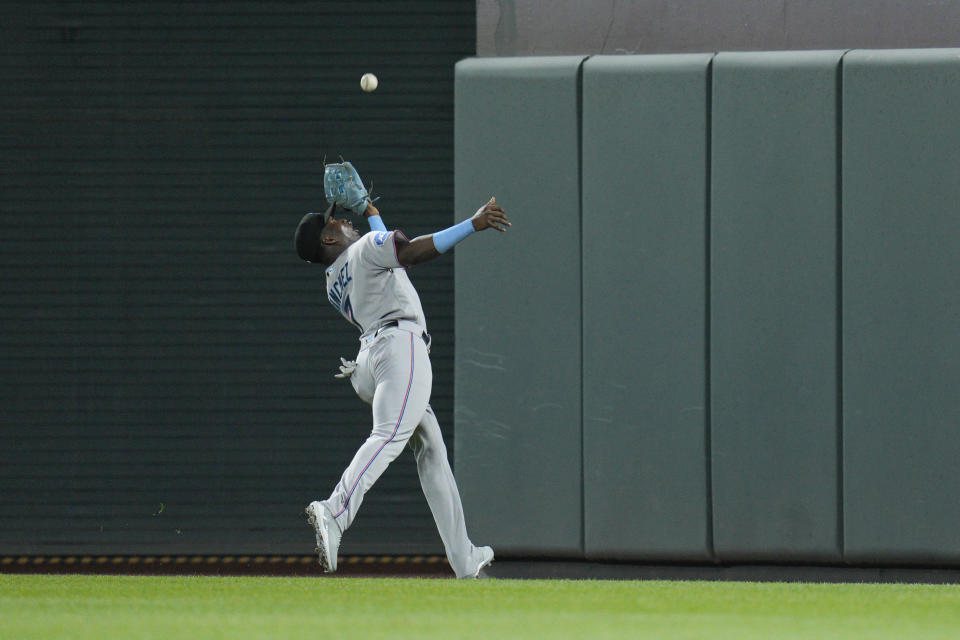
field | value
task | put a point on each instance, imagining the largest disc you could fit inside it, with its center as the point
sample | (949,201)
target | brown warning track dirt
(349,566)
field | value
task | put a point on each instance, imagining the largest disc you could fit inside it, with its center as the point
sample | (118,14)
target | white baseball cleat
(486,557)
(328,535)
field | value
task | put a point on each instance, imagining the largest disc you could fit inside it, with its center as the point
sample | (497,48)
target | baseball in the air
(368,82)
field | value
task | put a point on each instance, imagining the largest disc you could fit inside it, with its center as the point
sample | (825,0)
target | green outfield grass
(209,607)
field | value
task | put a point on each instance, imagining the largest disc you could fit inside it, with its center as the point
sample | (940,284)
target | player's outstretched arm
(423,248)
(373,218)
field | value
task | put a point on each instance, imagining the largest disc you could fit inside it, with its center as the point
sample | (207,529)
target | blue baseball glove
(342,185)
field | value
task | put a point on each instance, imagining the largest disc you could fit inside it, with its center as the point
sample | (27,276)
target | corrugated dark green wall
(165,358)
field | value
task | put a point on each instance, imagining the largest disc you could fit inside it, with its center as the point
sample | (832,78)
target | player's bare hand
(347,367)
(490,216)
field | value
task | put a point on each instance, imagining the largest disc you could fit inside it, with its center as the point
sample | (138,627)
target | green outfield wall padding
(773,333)
(517,395)
(901,306)
(644,306)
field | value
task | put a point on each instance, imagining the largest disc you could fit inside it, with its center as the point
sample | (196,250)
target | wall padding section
(773,373)
(901,306)
(517,398)
(644,306)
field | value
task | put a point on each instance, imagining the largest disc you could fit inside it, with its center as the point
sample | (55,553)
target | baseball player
(367,283)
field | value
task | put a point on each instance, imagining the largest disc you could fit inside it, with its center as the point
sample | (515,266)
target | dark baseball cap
(307,238)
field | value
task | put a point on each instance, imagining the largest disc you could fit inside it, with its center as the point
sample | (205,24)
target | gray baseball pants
(394,375)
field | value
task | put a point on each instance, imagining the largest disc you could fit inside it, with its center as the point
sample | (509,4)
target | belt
(405,325)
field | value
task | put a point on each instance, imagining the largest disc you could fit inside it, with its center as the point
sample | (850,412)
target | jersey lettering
(340,297)
(337,291)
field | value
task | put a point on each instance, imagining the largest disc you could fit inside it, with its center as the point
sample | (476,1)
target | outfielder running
(368,284)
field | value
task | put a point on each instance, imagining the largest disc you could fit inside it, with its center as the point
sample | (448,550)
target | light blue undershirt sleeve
(445,239)
(376,223)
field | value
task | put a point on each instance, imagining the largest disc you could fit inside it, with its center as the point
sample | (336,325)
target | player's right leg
(440,489)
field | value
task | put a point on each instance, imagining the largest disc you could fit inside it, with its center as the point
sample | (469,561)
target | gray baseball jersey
(370,288)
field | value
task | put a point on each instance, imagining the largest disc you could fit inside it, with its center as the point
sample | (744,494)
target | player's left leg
(403,377)
(440,489)
(399,365)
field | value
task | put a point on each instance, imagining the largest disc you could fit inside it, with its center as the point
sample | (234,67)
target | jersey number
(348,313)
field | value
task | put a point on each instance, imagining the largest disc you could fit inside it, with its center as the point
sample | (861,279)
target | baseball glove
(343,187)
